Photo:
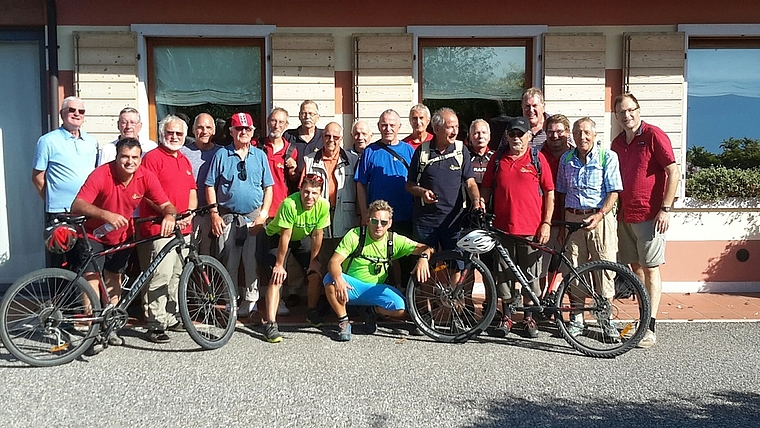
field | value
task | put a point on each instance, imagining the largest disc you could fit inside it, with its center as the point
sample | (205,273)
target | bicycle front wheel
(207,302)
(46,318)
(604,310)
(457,302)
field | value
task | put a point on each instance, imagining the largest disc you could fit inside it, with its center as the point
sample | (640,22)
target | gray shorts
(640,243)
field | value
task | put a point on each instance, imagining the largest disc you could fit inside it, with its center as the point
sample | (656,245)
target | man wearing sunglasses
(296,230)
(523,202)
(239,181)
(360,279)
(63,160)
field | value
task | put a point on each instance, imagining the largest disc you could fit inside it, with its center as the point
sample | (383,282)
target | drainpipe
(52,52)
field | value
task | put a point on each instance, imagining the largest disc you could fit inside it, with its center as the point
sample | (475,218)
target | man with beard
(175,174)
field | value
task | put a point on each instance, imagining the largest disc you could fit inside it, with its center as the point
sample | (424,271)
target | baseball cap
(241,119)
(519,123)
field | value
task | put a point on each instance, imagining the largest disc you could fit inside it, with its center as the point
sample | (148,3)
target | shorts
(446,237)
(367,294)
(640,243)
(301,250)
(528,259)
(116,262)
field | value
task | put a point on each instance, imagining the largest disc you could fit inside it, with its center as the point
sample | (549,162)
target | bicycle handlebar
(485,220)
(179,216)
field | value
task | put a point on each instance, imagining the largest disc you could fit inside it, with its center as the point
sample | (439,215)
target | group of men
(296,205)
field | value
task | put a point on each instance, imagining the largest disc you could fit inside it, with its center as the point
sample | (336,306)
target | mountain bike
(459,300)
(52,316)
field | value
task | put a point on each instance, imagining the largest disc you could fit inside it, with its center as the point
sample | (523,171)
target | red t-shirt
(102,190)
(554,164)
(176,177)
(410,140)
(642,167)
(518,205)
(277,168)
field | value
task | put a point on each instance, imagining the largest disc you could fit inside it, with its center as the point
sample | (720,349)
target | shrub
(714,183)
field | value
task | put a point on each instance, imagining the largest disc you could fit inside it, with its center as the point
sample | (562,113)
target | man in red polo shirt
(174,171)
(523,205)
(109,196)
(650,179)
(282,164)
(419,118)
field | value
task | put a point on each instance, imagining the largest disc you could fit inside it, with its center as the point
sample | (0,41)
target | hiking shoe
(576,326)
(610,330)
(272,333)
(94,349)
(314,318)
(529,324)
(502,330)
(344,334)
(648,340)
(370,320)
(177,327)
(158,336)
(246,309)
(114,339)
(282,309)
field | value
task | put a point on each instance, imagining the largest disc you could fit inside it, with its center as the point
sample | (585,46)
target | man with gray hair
(362,135)
(419,118)
(129,125)
(64,158)
(439,172)
(175,173)
(479,137)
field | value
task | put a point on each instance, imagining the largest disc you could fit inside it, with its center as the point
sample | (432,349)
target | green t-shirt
(376,251)
(291,215)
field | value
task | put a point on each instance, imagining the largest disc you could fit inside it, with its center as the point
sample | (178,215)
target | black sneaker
(502,330)
(530,327)
(94,349)
(272,333)
(314,318)
(158,336)
(177,327)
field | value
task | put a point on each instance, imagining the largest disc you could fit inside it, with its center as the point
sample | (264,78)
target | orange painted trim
(613,82)
(714,261)
(344,92)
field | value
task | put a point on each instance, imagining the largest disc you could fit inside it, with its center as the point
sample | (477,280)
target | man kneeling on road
(366,268)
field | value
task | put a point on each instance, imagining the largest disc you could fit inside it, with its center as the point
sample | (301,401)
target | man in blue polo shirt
(439,170)
(63,160)
(588,183)
(239,180)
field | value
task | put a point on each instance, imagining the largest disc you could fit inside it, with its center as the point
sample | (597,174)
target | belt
(588,211)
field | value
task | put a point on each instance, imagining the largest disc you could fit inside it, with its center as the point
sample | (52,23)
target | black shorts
(116,262)
(301,250)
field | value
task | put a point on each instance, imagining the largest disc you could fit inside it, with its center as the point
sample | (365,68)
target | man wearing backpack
(439,172)
(588,183)
(521,182)
(358,270)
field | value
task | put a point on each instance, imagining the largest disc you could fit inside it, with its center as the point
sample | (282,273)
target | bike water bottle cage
(477,242)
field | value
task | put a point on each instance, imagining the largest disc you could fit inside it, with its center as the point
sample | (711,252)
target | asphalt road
(698,375)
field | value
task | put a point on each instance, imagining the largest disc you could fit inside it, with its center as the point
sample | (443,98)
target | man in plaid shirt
(588,183)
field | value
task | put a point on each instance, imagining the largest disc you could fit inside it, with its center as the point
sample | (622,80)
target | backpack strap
(359,248)
(536,161)
(393,153)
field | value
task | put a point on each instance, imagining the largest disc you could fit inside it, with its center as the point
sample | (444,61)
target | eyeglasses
(560,132)
(308,114)
(242,172)
(376,221)
(629,111)
(314,177)
(513,134)
(377,268)
(74,110)
(177,133)
(244,128)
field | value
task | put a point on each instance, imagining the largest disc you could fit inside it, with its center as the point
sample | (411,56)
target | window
(480,78)
(216,76)
(723,90)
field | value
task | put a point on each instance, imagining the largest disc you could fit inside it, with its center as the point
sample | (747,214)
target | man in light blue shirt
(588,183)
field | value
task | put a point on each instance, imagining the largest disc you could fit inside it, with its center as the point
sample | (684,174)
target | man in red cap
(239,180)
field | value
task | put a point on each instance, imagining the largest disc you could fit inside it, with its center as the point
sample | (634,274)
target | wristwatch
(666,209)
(424,256)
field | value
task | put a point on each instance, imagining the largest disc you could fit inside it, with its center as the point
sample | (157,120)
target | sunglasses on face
(244,128)
(74,110)
(518,134)
(376,221)
(242,172)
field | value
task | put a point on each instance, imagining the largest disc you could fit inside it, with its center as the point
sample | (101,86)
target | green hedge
(712,184)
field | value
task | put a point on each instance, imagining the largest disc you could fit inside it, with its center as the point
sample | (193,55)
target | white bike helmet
(477,242)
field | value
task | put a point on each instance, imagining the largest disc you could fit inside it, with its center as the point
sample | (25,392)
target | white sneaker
(246,309)
(648,340)
(282,309)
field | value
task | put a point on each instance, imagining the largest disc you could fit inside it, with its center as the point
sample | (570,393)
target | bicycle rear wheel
(44,321)
(207,299)
(603,327)
(445,311)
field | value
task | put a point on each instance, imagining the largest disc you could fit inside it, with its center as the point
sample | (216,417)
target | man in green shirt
(358,279)
(296,229)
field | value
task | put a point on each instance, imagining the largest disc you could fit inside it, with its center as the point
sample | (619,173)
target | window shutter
(383,77)
(105,78)
(574,81)
(303,68)
(654,73)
